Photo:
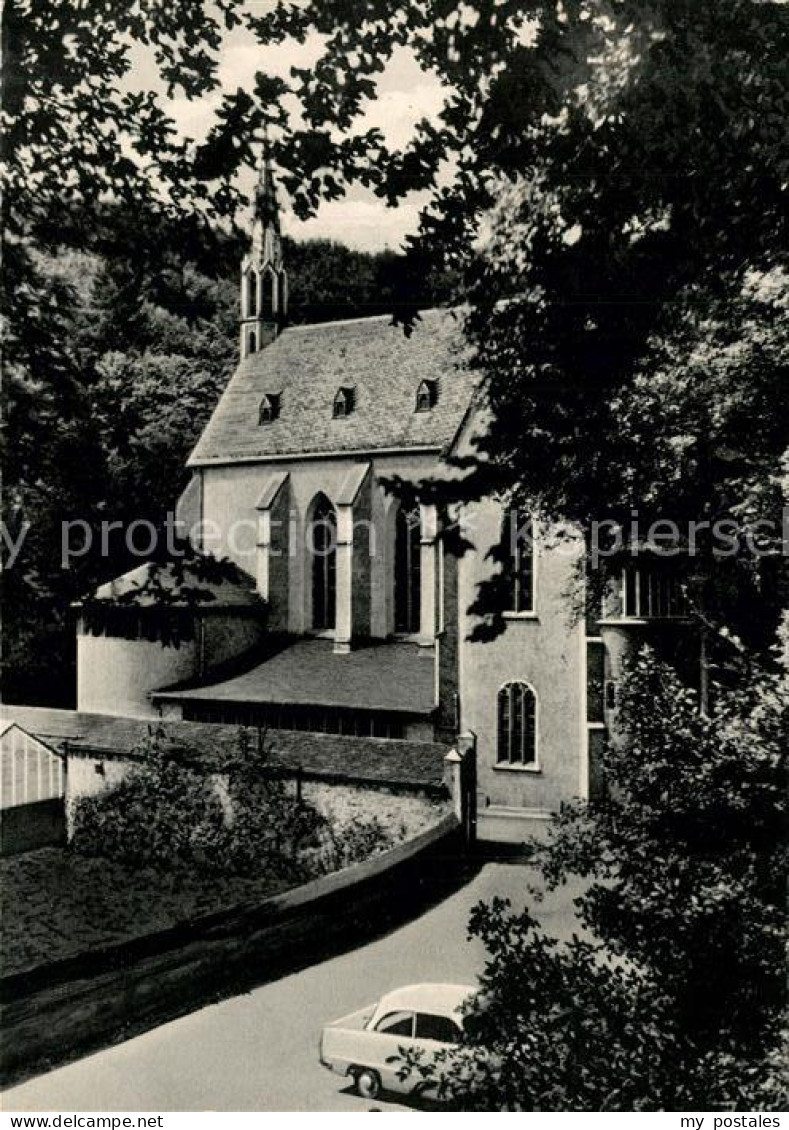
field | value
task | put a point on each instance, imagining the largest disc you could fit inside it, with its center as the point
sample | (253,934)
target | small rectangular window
(595,681)
(519,560)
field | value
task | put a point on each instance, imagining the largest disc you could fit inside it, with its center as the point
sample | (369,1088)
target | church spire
(264,280)
(266,206)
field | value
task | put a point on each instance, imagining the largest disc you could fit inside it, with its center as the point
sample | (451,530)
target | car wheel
(368,1083)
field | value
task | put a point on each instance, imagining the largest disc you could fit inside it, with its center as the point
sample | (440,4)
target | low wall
(57,1012)
(402,811)
(30,826)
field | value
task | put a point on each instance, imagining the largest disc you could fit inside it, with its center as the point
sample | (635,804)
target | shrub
(356,840)
(167,816)
(155,817)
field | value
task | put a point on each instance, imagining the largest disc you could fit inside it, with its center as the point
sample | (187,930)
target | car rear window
(431,1027)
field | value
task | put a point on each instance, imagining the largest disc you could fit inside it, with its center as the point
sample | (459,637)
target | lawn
(56,903)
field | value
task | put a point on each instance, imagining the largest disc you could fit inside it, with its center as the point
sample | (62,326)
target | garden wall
(343,804)
(341,801)
(56,1012)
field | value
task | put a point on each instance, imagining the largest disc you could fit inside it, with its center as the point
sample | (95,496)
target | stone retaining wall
(57,1012)
(396,811)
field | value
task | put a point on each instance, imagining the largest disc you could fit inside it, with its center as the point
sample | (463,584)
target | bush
(167,816)
(359,839)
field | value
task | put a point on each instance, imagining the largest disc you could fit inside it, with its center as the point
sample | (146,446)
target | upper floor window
(269,408)
(344,401)
(517,725)
(426,395)
(651,593)
(519,560)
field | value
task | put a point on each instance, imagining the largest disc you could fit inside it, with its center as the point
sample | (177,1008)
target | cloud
(405,95)
(396,112)
(193,118)
(242,56)
(364,223)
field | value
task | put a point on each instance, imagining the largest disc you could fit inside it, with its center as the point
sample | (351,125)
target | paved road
(259,1051)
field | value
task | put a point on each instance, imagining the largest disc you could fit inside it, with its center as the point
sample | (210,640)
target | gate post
(461,763)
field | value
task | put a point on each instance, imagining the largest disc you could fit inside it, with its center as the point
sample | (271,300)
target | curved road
(259,1051)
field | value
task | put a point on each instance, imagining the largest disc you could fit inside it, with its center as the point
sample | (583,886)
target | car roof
(445,1000)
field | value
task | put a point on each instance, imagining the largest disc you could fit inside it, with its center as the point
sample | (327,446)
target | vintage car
(366,1044)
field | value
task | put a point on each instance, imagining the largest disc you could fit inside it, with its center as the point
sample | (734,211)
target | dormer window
(344,401)
(269,408)
(426,395)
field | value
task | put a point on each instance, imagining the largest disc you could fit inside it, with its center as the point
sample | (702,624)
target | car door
(393,1031)
(432,1032)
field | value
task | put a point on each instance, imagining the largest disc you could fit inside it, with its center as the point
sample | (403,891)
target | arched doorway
(408,579)
(323,545)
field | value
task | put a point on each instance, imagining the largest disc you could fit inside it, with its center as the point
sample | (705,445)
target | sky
(406,94)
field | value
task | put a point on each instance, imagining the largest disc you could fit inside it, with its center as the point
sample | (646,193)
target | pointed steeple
(266,205)
(264,280)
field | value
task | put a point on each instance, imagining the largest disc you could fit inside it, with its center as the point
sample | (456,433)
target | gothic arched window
(322,541)
(268,294)
(251,287)
(252,342)
(408,572)
(516,725)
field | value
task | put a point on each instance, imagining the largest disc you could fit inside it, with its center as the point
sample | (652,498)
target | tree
(617,196)
(678,997)
(91,435)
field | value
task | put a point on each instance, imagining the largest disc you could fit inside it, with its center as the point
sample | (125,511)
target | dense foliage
(167,816)
(172,814)
(675,997)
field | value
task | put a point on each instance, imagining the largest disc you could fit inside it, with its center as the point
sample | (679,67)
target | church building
(349,615)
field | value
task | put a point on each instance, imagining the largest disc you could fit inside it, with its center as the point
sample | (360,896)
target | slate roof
(213,747)
(306,365)
(236,589)
(392,677)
